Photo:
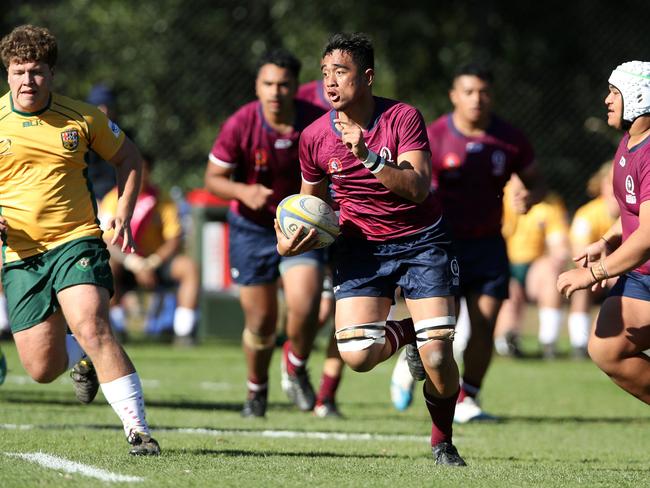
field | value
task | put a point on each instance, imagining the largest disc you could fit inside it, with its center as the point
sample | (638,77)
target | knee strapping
(360,337)
(435,329)
(258,342)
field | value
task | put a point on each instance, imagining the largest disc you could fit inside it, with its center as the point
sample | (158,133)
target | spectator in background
(158,260)
(254,164)
(100,172)
(590,222)
(538,250)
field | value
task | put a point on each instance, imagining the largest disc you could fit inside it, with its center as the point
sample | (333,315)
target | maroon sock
(468,390)
(441,411)
(291,366)
(328,387)
(399,333)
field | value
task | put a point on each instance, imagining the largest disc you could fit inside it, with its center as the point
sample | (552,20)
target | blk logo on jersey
(70,139)
(83,264)
(283,143)
(622,162)
(629,188)
(261,159)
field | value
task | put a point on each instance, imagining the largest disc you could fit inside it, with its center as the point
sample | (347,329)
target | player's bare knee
(357,344)
(258,341)
(433,337)
(43,371)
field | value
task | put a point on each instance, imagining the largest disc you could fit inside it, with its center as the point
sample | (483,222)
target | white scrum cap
(633,81)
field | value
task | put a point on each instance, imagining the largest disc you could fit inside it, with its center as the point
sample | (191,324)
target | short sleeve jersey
(527,234)
(45,194)
(590,222)
(257,153)
(313,93)
(163,225)
(632,185)
(368,209)
(469,173)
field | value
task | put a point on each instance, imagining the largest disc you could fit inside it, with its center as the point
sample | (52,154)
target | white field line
(277,434)
(61,464)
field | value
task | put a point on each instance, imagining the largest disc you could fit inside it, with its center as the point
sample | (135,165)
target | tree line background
(180,67)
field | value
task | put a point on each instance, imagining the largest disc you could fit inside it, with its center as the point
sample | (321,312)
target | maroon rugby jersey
(469,173)
(632,185)
(259,154)
(369,210)
(313,92)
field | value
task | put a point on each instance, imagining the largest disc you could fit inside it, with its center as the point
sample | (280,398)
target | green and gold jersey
(45,194)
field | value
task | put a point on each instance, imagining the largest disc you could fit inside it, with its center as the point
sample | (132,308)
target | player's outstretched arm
(128,163)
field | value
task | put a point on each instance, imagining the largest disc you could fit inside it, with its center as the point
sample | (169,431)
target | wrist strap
(374,162)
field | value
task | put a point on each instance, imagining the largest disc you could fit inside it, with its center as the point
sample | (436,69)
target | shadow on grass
(280,454)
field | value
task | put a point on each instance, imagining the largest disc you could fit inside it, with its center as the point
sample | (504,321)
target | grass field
(563,423)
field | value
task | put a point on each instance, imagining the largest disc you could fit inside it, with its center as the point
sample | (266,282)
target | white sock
(4,318)
(579,326)
(117,318)
(184,320)
(550,321)
(72,347)
(125,396)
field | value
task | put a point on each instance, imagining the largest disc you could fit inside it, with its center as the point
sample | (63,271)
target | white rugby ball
(312,213)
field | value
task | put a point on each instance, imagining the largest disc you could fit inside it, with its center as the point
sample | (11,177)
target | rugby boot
(255,405)
(415,362)
(469,410)
(84,380)
(401,384)
(446,454)
(327,408)
(298,389)
(143,444)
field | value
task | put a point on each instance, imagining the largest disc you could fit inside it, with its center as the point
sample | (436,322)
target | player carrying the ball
(375,152)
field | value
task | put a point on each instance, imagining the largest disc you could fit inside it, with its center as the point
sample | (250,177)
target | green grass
(563,424)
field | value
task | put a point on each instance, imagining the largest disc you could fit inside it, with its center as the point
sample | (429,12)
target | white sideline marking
(61,464)
(277,434)
(292,434)
(211,385)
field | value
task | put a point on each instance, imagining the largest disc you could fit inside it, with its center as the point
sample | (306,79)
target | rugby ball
(312,213)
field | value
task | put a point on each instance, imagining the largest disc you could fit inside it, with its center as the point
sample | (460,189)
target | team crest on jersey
(334,166)
(450,161)
(622,162)
(82,264)
(70,139)
(261,159)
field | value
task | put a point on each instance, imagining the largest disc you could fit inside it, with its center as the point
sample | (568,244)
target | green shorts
(31,284)
(519,272)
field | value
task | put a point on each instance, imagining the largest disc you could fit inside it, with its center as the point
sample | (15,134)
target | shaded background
(181,67)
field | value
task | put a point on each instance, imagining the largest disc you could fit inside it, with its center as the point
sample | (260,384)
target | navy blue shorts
(484,262)
(254,259)
(423,265)
(632,285)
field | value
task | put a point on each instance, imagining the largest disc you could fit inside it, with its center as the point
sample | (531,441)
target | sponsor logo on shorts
(234,272)
(83,264)
(455,271)
(70,139)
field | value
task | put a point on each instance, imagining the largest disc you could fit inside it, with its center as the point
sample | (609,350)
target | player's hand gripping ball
(312,213)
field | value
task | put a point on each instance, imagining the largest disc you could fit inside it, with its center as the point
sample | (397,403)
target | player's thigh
(542,274)
(183,267)
(624,325)
(85,308)
(361,310)
(260,305)
(302,284)
(428,308)
(43,343)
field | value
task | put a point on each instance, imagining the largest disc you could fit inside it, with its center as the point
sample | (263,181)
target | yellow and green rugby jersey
(45,193)
(526,235)
(590,222)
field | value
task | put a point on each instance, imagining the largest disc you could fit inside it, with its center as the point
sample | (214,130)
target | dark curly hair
(29,43)
(357,45)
